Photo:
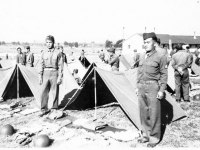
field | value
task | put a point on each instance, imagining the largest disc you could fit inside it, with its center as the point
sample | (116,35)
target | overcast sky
(95,20)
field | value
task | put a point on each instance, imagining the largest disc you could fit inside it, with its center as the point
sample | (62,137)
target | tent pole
(95,93)
(17,83)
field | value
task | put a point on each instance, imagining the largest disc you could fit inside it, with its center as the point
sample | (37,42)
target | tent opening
(11,89)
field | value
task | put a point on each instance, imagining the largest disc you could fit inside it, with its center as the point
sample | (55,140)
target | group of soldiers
(26,58)
(152,78)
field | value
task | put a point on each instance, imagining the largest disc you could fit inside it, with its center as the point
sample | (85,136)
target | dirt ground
(179,134)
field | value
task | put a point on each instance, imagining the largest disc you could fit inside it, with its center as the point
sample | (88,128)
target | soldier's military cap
(51,38)
(149,35)
(111,50)
(27,47)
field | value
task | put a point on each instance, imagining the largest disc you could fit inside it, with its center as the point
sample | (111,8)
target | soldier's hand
(136,92)
(160,95)
(59,80)
(40,80)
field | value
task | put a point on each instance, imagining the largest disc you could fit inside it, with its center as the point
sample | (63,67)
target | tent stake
(95,93)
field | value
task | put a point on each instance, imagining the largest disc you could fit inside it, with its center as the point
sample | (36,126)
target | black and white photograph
(99,74)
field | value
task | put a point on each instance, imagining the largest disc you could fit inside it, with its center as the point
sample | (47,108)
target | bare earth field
(179,134)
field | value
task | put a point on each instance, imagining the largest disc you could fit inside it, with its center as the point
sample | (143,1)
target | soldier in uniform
(76,77)
(151,83)
(136,57)
(21,57)
(113,60)
(50,75)
(62,54)
(102,56)
(180,62)
(29,57)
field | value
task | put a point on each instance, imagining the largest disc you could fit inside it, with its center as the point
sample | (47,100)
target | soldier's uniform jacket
(20,59)
(154,67)
(51,59)
(114,61)
(181,59)
(29,58)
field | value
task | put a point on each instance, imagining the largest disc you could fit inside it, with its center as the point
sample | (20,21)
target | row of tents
(99,86)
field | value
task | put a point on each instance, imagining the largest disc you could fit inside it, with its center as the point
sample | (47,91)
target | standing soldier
(21,57)
(180,63)
(62,54)
(136,57)
(151,84)
(102,56)
(50,75)
(29,57)
(114,60)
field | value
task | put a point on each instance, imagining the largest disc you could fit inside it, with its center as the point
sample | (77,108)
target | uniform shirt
(154,67)
(50,59)
(114,61)
(29,58)
(181,59)
(20,58)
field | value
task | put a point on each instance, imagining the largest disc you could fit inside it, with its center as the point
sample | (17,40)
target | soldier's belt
(50,69)
(148,82)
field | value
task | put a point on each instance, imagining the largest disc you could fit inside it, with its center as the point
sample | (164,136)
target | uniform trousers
(150,111)
(49,85)
(29,64)
(182,83)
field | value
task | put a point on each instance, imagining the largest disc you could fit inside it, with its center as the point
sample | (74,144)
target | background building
(136,42)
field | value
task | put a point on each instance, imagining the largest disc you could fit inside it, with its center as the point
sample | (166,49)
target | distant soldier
(62,54)
(29,57)
(162,50)
(6,56)
(173,50)
(50,76)
(180,63)
(159,49)
(136,57)
(71,56)
(21,57)
(113,60)
(76,77)
(102,56)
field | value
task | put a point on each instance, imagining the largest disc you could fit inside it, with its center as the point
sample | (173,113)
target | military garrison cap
(111,50)
(149,35)
(27,47)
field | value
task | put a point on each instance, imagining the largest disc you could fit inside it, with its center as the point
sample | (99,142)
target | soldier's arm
(41,65)
(163,73)
(60,65)
(187,63)
(112,61)
(174,63)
